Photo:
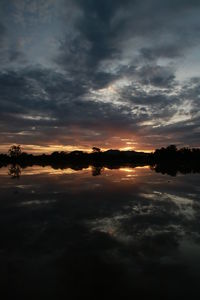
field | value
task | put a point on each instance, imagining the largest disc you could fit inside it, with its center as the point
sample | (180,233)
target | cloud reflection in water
(71,233)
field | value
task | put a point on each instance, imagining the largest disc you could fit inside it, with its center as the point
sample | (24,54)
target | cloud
(10,51)
(80,71)
(46,107)
(105,41)
(51,104)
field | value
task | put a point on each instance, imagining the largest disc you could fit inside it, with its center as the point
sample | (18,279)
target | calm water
(67,234)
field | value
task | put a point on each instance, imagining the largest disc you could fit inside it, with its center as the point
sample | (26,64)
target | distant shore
(168,160)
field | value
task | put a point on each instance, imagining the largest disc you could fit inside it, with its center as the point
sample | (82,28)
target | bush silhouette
(15,151)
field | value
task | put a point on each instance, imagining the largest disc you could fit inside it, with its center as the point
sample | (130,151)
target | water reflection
(131,232)
(14,171)
(96,171)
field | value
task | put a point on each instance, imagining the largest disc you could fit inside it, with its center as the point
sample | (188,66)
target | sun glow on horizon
(48,149)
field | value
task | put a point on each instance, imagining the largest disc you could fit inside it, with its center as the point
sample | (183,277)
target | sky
(107,73)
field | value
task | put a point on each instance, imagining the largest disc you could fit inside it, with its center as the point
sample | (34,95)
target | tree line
(168,154)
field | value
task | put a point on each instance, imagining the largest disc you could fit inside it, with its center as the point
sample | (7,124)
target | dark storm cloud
(98,65)
(47,104)
(157,76)
(2,31)
(9,50)
(105,30)
(42,106)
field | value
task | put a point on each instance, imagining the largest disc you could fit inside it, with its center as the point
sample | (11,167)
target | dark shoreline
(168,160)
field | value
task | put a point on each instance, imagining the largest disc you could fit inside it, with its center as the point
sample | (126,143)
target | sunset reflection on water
(130,230)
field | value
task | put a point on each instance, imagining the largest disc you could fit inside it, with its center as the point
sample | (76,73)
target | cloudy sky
(107,73)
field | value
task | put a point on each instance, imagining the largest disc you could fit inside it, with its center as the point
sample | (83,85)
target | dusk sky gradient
(105,73)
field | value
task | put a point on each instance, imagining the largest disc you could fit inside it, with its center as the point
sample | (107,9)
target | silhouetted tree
(96,150)
(171,149)
(15,151)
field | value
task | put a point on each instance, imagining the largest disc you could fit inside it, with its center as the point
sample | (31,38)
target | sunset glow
(99,149)
(116,76)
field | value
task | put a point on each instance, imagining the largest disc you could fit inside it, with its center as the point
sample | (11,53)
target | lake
(98,233)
